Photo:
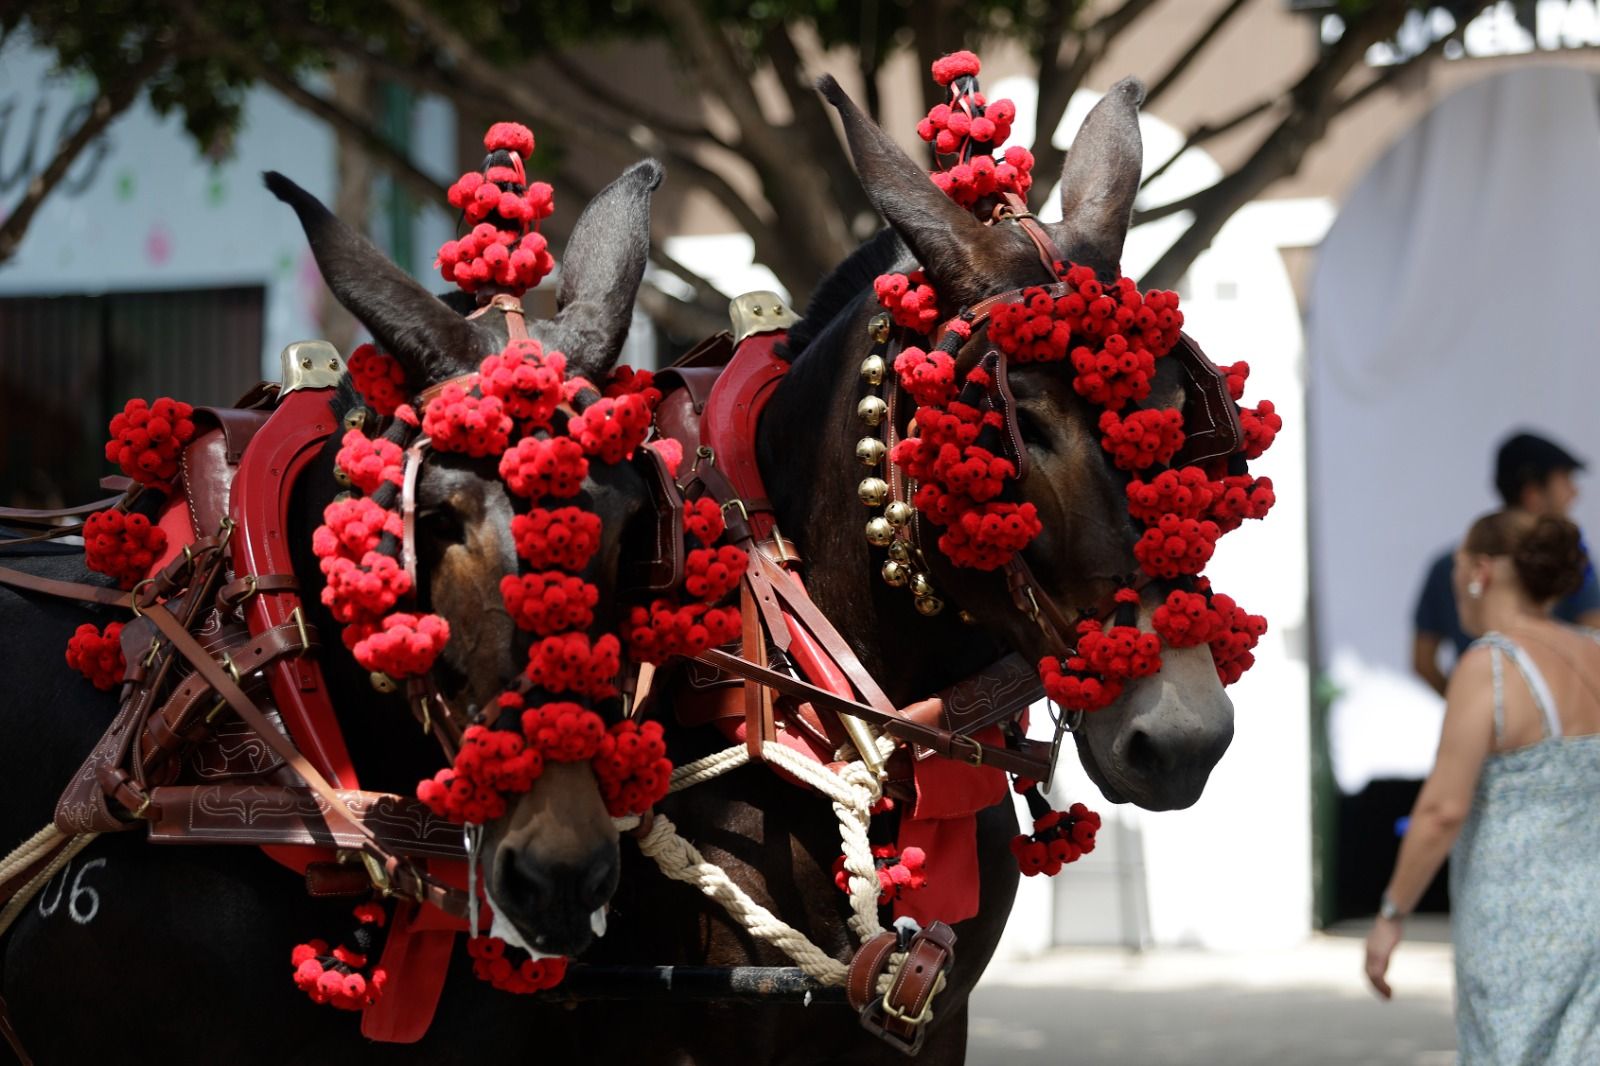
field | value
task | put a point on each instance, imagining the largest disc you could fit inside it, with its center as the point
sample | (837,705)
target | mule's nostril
(526,879)
(1144,754)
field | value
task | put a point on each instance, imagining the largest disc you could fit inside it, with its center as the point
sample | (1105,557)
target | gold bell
(382,682)
(872,369)
(894,574)
(878,328)
(921,586)
(340,476)
(879,532)
(871,410)
(356,417)
(900,552)
(899,513)
(873,491)
(870,451)
(928,605)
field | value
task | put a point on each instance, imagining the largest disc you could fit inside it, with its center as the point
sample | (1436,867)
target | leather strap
(901,1016)
(67,590)
(861,981)
(1030,759)
(32,517)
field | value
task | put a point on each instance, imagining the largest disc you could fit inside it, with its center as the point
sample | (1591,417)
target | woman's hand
(1381,942)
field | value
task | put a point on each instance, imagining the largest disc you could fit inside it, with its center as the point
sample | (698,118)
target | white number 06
(83,902)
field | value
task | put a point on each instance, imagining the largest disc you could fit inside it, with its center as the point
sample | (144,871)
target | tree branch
(794,185)
(1092,45)
(1197,46)
(629,110)
(813,123)
(113,100)
(346,122)
(1314,105)
(1198,136)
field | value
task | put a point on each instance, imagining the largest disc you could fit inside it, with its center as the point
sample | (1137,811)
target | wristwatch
(1387,910)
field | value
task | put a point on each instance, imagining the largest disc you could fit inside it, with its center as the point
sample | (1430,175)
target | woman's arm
(1442,805)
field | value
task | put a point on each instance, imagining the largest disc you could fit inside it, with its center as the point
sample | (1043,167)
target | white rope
(681,861)
(28,851)
(853,789)
(712,766)
(25,894)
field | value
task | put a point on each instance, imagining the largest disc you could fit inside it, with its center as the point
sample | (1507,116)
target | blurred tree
(760,141)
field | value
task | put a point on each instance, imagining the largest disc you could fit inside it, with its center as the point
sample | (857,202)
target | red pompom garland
(334,977)
(379,378)
(898,872)
(147,437)
(97,655)
(1058,838)
(122,545)
(490,963)
(504,249)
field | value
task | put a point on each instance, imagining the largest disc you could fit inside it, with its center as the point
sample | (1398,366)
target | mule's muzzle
(553,903)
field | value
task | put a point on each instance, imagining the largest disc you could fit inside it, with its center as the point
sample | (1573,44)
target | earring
(1475,589)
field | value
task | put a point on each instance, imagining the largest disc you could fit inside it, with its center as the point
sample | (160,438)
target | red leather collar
(732,414)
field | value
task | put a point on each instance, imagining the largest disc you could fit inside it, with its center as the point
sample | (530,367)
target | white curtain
(1454,301)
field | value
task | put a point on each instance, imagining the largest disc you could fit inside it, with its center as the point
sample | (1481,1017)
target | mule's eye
(1032,429)
(440,522)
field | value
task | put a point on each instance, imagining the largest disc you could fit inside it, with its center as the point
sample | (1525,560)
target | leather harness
(220,626)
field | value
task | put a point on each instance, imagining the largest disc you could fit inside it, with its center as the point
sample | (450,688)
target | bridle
(1027,593)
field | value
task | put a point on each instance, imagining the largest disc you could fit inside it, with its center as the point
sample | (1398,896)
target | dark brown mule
(1156,747)
(181,954)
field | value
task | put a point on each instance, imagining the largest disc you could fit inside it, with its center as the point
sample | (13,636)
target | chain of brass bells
(892,530)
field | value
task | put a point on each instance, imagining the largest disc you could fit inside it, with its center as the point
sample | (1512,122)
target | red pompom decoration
(549,601)
(526,379)
(565,538)
(632,767)
(549,466)
(702,520)
(510,137)
(610,429)
(489,963)
(570,662)
(898,872)
(369,462)
(1058,838)
(459,421)
(403,645)
(712,573)
(147,437)
(122,545)
(909,299)
(948,68)
(97,655)
(379,378)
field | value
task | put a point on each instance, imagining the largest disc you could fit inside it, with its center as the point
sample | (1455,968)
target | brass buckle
(379,876)
(921,1017)
(133,596)
(736,502)
(976,756)
(233,672)
(1033,603)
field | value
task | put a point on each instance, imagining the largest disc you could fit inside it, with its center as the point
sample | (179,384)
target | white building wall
(143,209)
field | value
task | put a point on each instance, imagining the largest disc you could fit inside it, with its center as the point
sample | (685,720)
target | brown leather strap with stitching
(861,981)
(902,1014)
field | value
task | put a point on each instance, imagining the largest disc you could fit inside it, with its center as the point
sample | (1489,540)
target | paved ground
(1307,1006)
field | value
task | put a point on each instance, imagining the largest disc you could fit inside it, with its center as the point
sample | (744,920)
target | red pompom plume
(98,655)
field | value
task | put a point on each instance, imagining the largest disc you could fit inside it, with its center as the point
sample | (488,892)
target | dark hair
(1546,552)
(1525,459)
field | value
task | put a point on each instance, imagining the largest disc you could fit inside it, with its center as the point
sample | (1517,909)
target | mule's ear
(1100,179)
(431,341)
(944,236)
(601,271)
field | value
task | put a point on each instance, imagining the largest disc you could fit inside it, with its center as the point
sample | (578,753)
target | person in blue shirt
(1531,474)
